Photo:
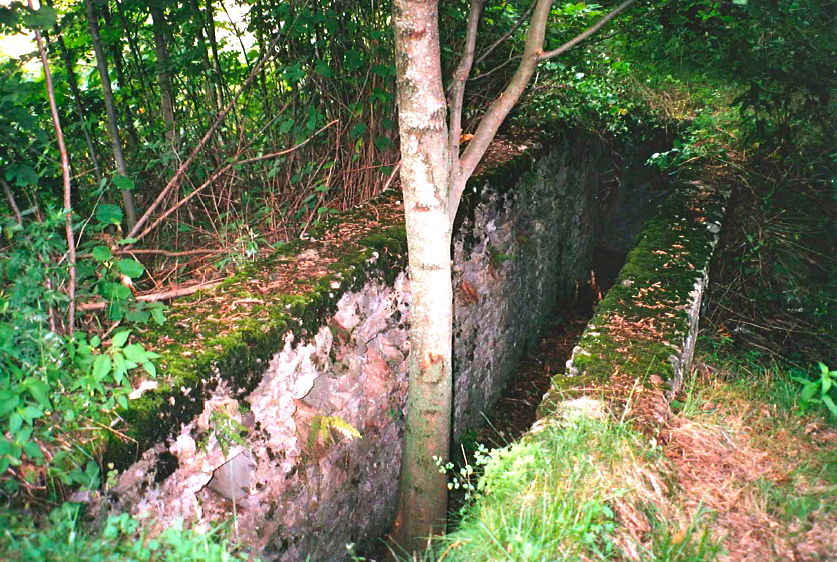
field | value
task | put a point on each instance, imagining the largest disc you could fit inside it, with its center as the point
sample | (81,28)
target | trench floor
(515,412)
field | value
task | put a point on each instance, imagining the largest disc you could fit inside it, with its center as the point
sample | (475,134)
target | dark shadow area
(515,412)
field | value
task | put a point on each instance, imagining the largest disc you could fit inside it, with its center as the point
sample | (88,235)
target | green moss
(239,352)
(642,321)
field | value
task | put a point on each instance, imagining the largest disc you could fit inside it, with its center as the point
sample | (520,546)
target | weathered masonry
(281,399)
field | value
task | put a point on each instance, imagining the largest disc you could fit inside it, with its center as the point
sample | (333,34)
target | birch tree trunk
(433,178)
(425,178)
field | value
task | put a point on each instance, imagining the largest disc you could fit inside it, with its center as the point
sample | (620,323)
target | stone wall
(303,453)
(640,344)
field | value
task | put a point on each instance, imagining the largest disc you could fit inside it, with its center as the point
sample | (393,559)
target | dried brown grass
(729,455)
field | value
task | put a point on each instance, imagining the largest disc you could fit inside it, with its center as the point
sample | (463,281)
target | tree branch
(590,31)
(221,171)
(12,202)
(506,35)
(164,296)
(460,76)
(501,107)
(166,253)
(65,173)
(499,110)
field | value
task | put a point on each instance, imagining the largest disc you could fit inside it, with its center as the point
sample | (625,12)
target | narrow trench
(516,411)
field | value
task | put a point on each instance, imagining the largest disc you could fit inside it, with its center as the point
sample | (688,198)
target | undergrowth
(565,493)
(740,468)
(62,537)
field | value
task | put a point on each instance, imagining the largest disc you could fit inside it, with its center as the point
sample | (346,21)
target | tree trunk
(71,80)
(213,45)
(115,50)
(113,128)
(209,74)
(158,25)
(425,178)
(433,177)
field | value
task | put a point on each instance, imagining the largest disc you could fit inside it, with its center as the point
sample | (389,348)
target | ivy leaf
(158,316)
(286,126)
(808,391)
(39,391)
(135,353)
(323,69)
(121,292)
(352,60)
(109,214)
(830,404)
(120,367)
(42,18)
(8,402)
(30,413)
(33,451)
(8,24)
(15,422)
(23,174)
(102,253)
(383,143)
(130,267)
(358,130)
(101,367)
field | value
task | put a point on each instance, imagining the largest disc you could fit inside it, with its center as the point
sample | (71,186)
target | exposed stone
(234,478)
(303,487)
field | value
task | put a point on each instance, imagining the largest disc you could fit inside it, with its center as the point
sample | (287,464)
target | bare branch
(460,76)
(590,31)
(164,296)
(506,35)
(221,171)
(12,202)
(181,171)
(165,253)
(65,173)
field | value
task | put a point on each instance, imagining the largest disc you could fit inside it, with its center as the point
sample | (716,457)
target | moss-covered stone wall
(640,343)
(281,398)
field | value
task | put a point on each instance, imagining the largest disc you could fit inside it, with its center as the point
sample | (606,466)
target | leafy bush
(54,381)
(62,537)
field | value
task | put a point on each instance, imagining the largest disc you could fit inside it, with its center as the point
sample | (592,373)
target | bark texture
(425,178)
(433,177)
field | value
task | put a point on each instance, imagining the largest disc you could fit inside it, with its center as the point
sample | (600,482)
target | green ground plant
(58,384)
(819,390)
(558,494)
(121,537)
